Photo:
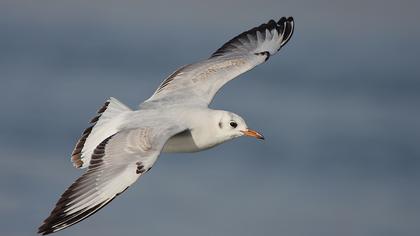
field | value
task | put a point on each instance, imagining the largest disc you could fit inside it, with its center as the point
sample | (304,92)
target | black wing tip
(288,27)
(41,230)
(285,26)
(49,225)
(46,227)
(284,19)
(44,230)
(58,222)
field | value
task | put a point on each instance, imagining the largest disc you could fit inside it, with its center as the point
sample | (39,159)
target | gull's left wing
(116,163)
(199,82)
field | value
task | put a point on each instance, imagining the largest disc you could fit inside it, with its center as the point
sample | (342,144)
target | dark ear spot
(220,124)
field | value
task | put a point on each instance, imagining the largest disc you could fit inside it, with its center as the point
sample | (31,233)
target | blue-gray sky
(339,107)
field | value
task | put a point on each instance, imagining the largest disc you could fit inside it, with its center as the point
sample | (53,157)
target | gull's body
(123,144)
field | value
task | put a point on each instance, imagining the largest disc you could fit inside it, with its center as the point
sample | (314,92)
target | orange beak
(252,133)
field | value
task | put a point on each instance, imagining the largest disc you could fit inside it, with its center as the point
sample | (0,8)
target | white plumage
(121,145)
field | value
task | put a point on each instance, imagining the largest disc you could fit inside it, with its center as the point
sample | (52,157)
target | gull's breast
(182,142)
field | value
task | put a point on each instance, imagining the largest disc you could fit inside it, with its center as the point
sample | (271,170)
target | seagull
(122,144)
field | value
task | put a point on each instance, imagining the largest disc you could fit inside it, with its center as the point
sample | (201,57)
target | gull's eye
(233,124)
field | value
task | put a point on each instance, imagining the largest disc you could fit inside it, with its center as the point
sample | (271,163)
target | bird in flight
(123,144)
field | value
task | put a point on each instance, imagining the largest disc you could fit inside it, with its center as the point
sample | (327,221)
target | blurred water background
(339,107)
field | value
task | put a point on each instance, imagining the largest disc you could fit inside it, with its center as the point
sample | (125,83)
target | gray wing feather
(116,163)
(199,82)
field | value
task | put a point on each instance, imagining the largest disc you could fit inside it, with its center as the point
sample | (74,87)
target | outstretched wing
(117,162)
(199,82)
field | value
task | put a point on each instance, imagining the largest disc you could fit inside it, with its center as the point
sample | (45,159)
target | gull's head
(231,125)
